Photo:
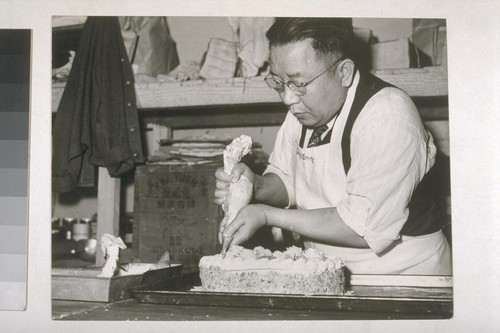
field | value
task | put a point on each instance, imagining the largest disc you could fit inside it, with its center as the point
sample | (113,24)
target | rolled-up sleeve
(391,152)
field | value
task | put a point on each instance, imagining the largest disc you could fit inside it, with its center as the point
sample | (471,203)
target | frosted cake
(293,271)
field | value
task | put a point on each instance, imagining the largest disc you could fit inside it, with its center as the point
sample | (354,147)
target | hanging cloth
(97,122)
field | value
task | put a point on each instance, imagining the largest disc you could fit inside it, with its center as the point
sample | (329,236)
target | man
(352,156)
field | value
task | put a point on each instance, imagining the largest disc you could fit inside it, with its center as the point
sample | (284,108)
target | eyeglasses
(299,88)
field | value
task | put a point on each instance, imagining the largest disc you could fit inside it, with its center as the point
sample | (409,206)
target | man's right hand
(222,180)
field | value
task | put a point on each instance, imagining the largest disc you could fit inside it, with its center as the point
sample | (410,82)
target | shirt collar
(348,101)
(345,108)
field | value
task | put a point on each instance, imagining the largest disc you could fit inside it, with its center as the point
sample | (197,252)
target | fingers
(226,243)
(226,231)
(247,221)
(239,170)
(222,176)
(220,193)
(240,235)
(236,173)
(230,229)
(222,181)
(240,229)
(220,196)
(221,185)
(222,226)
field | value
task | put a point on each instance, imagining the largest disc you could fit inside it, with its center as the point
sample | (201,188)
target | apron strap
(368,86)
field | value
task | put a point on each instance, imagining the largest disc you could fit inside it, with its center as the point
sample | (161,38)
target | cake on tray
(293,271)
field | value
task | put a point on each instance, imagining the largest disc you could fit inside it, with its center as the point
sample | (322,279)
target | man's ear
(347,70)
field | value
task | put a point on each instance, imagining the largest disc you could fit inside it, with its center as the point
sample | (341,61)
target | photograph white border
(473,53)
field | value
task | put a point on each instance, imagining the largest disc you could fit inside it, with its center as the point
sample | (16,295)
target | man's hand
(222,180)
(249,219)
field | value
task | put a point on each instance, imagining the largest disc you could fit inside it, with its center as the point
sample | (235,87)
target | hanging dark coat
(97,121)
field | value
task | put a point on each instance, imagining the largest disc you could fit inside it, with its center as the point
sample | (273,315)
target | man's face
(324,96)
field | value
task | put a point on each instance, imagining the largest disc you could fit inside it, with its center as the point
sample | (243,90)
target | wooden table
(130,310)
(360,302)
(135,311)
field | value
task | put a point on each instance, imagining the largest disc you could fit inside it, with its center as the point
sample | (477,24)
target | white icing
(238,258)
(293,252)
(312,253)
(233,153)
(258,270)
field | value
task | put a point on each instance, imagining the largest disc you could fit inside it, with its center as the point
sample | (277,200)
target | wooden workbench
(367,297)
(131,310)
(366,302)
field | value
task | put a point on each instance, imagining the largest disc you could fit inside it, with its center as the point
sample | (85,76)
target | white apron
(320,182)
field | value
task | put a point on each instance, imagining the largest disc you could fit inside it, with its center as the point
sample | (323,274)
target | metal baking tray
(84,284)
(367,299)
(401,299)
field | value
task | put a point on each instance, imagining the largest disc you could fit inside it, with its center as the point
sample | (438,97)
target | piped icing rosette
(259,258)
(261,252)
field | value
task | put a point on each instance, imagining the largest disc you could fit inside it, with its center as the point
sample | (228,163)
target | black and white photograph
(284,168)
(251,166)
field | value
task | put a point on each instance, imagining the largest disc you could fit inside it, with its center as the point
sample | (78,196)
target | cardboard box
(394,54)
(174,211)
(429,36)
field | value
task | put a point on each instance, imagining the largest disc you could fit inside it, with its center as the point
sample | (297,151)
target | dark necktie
(316,136)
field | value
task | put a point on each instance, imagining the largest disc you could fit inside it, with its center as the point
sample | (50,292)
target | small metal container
(81,229)
(67,227)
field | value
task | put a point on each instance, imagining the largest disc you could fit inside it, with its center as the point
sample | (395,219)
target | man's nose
(289,97)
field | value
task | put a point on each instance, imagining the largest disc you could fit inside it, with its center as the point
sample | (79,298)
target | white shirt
(390,153)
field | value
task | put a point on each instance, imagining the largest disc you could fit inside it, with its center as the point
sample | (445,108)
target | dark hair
(331,37)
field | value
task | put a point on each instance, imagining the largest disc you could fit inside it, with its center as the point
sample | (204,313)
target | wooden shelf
(417,82)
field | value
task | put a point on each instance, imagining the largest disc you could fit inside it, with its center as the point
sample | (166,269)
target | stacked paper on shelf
(192,150)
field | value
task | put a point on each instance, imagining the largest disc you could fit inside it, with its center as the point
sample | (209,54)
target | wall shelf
(417,82)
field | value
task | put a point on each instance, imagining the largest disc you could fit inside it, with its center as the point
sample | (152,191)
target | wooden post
(159,132)
(108,209)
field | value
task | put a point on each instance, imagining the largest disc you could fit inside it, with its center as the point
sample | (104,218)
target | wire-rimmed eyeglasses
(299,88)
